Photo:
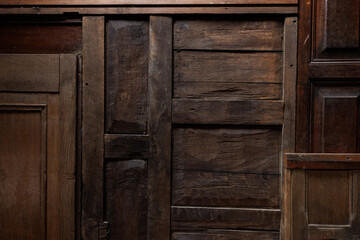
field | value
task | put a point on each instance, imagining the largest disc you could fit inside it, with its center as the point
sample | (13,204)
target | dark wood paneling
(201,218)
(244,150)
(126,199)
(225,235)
(127,44)
(328,193)
(126,146)
(29,73)
(200,188)
(227,112)
(322,161)
(40,38)
(238,34)
(334,71)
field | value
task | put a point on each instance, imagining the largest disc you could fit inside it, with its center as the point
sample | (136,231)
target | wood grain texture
(191,218)
(242,150)
(227,112)
(142,2)
(126,199)
(234,34)
(29,73)
(159,110)
(92,126)
(222,189)
(319,70)
(39,38)
(127,44)
(225,235)
(126,146)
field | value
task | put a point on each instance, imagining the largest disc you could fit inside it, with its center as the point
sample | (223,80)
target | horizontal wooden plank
(322,160)
(322,231)
(226,235)
(244,91)
(334,70)
(242,150)
(201,218)
(220,189)
(188,111)
(142,2)
(234,34)
(122,146)
(152,10)
(29,73)
(195,66)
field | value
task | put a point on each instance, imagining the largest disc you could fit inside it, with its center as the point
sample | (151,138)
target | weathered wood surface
(127,44)
(93,126)
(322,161)
(125,146)
(227,112)
(201,218)
(39,38)
(159,110)
(222,189)
(242,150)
(234,34)
(334,71)
(142,2)
(126,199)
(226,235)
(29,73)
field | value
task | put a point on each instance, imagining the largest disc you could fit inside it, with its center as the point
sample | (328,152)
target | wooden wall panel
(126,199)
(228,235)
(40,38)
(127,44)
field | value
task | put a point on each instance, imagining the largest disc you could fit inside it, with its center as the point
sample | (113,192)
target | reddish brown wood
(322,161)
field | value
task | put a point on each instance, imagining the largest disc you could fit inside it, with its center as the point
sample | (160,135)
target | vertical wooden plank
(93,126)
(288,143)
(298,215)
(67,145)
(160,87)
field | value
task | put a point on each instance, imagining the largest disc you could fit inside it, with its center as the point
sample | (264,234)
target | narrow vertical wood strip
(93,126)
(298,212)
(160,85)
(289,93)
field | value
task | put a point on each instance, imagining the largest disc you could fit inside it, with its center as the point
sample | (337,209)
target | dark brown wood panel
(328,193)
(40,38)
(222,189)
(29,73)
(242,150)
(322,161)
(190,218)
(227,112)
(126,199)
(127,44)
(225,235)
(126,146)
(234,34)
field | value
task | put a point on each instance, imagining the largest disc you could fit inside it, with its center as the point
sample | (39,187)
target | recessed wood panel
(29,73)
(40,38)
(222,189)
(328,197)
(234,34)
(126,199)
(22,162)
(127,44)
(242,150)
(225,235)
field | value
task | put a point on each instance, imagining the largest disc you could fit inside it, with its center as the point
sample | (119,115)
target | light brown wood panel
(29,73)
(242,150)
(228,34)
(227,112)
(225,235)
(127,43)
(126,199)
(200,218)
(222,189)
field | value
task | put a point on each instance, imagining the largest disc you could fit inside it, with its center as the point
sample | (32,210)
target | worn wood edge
(151,10)
(159,127)
(92,126)
(126,146)
(288,138)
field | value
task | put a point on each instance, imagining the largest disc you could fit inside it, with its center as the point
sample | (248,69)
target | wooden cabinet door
(325,176)
(37,146)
